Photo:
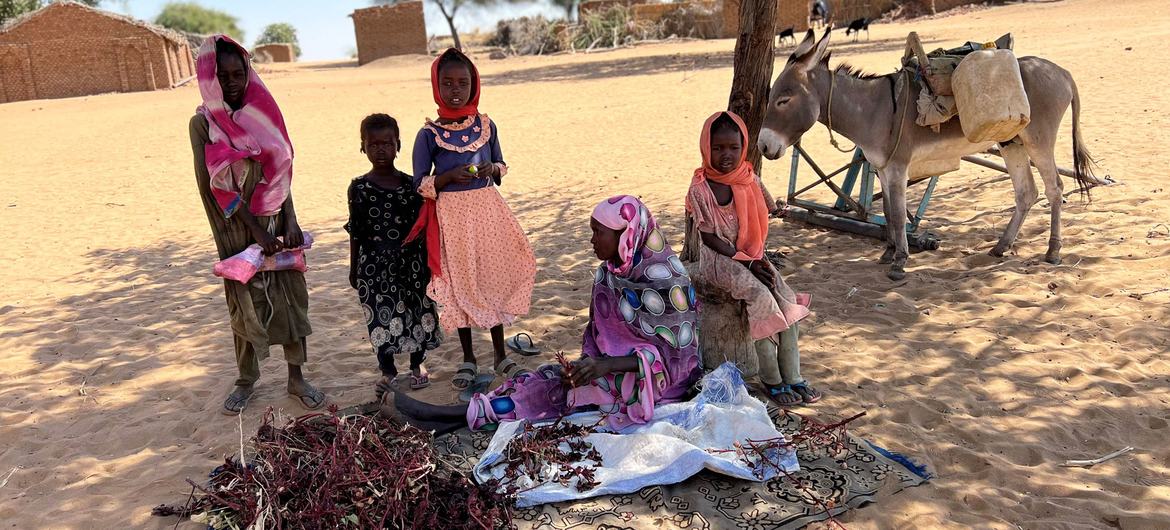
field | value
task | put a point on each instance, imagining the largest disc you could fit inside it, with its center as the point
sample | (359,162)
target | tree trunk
(451,22)
(724,333)
(454,33)
(754,55)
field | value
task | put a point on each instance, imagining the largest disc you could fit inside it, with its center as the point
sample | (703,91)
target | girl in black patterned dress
(391,279)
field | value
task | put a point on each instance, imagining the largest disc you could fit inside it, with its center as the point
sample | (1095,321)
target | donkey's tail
(1083,162)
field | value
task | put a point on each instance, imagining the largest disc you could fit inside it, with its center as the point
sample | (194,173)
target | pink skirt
(488,268)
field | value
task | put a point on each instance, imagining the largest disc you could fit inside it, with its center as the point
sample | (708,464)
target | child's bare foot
(237,400)
(384,384)
(310,397)
(387,408)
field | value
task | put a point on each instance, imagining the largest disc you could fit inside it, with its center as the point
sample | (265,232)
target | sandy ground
(991,371)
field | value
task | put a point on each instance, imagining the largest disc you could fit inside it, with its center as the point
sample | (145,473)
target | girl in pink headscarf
(639,350)
(243,166)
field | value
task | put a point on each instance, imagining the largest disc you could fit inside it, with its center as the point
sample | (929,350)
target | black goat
(788,34)
(857,26)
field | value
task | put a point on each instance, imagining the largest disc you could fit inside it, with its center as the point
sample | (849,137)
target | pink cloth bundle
(243,266)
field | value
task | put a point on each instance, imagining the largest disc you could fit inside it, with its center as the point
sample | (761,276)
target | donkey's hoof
(896,273)
(1053,259)
(887,256)
(997,252)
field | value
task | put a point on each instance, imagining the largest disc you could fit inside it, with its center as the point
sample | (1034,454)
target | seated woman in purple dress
(640,347)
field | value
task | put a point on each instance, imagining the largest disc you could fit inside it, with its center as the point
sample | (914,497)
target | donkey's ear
(805,46)
(816,54)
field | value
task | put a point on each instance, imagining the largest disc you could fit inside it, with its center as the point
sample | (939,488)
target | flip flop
(775,393)
(314,400)
(478,386)
(808,394)
(420,382)
(522,343)
(241,404)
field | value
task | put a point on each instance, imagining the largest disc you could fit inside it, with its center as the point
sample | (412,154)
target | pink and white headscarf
(645,307)
(255,131)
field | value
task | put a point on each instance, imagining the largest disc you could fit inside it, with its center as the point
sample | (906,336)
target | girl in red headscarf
(727,205)
(482,268)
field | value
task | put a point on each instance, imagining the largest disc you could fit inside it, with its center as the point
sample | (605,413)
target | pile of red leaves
(328,471)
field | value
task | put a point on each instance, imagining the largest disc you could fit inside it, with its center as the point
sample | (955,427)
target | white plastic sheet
(668,450)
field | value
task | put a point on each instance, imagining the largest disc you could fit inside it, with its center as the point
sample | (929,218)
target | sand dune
(992,371)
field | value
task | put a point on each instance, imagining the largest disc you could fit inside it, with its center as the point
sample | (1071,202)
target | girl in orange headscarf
(727,205)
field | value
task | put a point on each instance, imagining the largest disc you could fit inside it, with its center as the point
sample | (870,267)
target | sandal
(464,376)
(421,381)
(808,394)
(479,386)
(784,395)
(522,343)
(234,404)
(510,370)
(312,400)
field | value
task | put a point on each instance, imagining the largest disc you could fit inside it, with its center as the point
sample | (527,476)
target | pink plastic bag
(243,266)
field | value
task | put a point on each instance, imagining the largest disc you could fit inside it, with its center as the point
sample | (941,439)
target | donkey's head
(794,105)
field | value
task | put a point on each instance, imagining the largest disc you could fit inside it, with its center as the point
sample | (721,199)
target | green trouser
(248,359)
(780,365)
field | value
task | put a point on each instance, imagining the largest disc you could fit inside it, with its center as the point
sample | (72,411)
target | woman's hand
(586,369)
(763,272)
(293,236)
(457,175)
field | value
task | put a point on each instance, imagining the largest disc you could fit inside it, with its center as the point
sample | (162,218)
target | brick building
(789,14)
(67,49)
(383,31)
(274,53)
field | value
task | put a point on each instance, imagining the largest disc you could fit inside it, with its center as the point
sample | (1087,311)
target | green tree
(15,8)
(449,8)
(194,18)
(280,33)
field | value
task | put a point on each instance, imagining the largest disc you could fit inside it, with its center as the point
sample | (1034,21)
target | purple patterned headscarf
(645,307)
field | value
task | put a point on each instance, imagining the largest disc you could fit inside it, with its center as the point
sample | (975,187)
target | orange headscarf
(750,209)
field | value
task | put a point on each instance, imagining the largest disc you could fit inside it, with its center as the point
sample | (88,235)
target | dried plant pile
(328,471)
(529,36)
(696,21)
(813,437)
(611,28)
(555,452)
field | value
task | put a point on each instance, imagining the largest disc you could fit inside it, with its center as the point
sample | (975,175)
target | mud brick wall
(789,14)
(386,31)
(935,6)
(277,53)
(71,50)
(845,11)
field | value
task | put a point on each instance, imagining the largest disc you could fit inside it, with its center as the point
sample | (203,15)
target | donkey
(871,112)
